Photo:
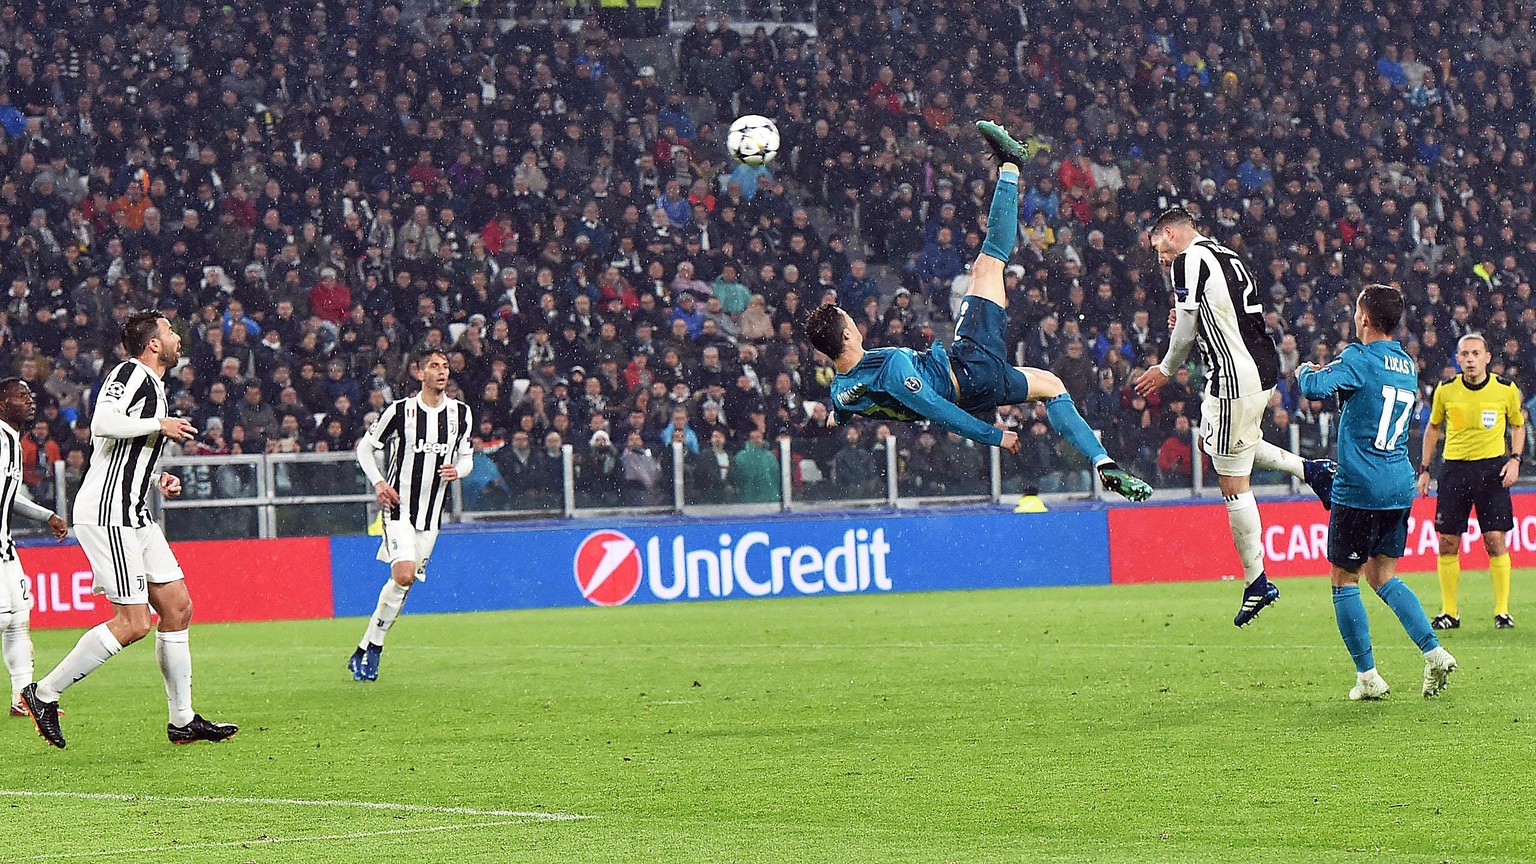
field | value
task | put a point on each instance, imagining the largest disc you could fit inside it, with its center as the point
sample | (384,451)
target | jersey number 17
(1391,398)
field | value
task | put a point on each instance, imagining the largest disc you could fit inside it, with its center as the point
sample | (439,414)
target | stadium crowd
(311,192)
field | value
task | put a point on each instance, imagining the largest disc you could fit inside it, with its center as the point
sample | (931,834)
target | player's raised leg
(985,327)
(1316,473)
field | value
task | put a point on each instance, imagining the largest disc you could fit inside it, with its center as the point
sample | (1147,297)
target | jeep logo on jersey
(427,447)
(607,568)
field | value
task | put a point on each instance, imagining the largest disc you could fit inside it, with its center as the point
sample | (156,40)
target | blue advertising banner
(632,561)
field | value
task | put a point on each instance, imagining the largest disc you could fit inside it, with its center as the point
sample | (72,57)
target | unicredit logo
(609,566)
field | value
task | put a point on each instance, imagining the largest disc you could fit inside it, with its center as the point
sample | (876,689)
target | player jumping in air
(1217,305)
(974,374)
(132,562)
(426,438)
(17,408)
(1377,386)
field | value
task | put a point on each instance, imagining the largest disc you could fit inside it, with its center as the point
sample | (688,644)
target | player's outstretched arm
(1320,382)
(900,379)
(25,506)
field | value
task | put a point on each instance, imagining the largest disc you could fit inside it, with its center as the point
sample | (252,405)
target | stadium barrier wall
(666,560)
(615,563)
(230,580)
(1192,542)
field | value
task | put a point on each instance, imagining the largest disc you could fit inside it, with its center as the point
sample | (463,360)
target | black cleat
(1255,597)
(45,716)
(1503,622)
(199,730)
(1447,622)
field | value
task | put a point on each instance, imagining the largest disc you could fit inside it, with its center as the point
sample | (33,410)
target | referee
(1474,409)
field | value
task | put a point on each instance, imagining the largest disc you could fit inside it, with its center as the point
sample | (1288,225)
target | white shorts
(15,588)
(126,561)
(402,542)
(1229,431)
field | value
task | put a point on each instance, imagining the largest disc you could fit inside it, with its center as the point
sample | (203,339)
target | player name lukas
(1399,364)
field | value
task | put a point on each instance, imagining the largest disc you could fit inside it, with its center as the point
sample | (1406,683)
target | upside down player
(427,440)
(974,374)
(1377,386)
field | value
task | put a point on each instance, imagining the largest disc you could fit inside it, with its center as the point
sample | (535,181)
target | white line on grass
(297,802)
(918,646)
(260,841)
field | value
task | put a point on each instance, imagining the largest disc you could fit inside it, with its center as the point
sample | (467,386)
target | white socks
(391,598)
(174,653)
(1247,534)
(94,648)
(16,645)
(1271,458)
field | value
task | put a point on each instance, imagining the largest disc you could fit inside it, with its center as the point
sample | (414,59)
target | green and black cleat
(1119,480)
(1003,145)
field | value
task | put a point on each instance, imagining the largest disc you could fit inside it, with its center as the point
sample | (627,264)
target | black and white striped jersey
(125,430)
(10,491)
(1240,358)
(416,441)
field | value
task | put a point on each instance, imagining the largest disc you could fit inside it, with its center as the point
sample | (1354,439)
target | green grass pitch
(1115,724)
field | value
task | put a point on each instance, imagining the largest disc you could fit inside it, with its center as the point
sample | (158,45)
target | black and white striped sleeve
(386,426)
(110,418)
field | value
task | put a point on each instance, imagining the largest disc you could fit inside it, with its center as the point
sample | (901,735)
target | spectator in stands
(1175,462)
(755,471)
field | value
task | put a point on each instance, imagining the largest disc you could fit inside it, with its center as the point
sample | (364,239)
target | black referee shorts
(1469,485)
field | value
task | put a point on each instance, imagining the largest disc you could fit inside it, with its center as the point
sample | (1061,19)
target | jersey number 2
(1389,434)
(1247,289)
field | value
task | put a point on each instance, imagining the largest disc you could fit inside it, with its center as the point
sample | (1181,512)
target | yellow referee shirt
(1475,417)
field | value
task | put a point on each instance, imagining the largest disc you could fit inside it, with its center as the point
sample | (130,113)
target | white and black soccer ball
(753,140)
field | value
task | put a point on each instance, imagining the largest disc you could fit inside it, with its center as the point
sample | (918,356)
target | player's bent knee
(176,616)
(405,578)
(1450,544)
(1042,384)
(130,625)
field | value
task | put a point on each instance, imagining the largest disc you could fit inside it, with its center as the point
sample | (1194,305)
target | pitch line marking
(272,841)
(299,802)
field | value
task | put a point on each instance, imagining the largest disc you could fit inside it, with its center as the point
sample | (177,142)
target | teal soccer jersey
(902,384)
(1377,386)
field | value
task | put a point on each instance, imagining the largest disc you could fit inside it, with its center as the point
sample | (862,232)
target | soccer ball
(753,140)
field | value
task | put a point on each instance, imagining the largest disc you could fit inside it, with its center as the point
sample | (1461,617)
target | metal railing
(746,15)
(299,494)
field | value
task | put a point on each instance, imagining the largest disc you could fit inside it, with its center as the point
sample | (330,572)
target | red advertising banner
(230,580)
(1192,542)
